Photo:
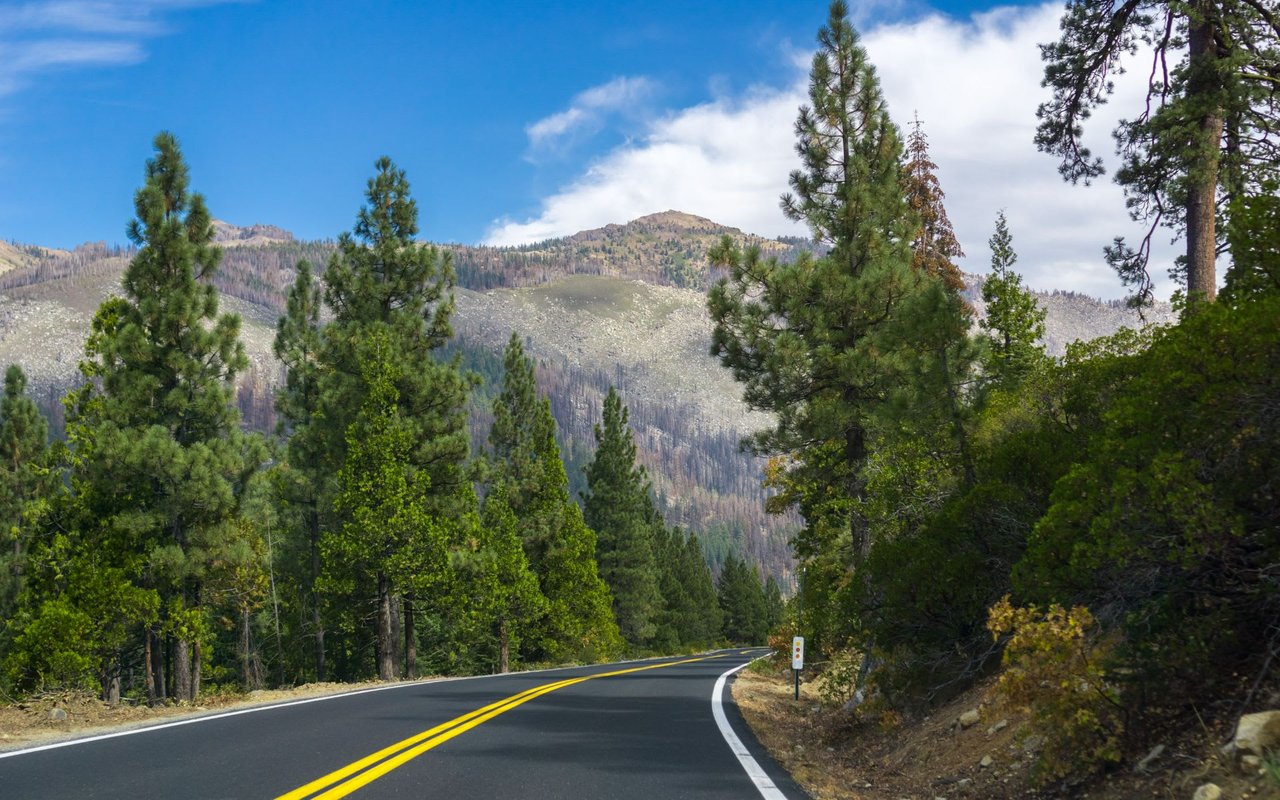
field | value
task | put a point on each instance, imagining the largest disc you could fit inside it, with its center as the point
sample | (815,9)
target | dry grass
(835,754)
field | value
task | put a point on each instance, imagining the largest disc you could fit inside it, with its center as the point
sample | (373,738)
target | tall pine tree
(1206,134)
(529,477)
(1014,322)
(617,507)
(161,452)
(384,286)
(808,339)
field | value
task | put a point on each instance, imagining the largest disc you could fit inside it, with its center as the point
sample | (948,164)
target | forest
(1101,530)
(159,549)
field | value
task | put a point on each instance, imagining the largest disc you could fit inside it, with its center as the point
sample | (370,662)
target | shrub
(1054,668)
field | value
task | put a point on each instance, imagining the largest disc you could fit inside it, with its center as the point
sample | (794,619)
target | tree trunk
(396,617)
(197,656)
(504,648)
(1202,240)
(410,641)
(317,622)
(246,679)
(182,670)
(386,644)
(149,666)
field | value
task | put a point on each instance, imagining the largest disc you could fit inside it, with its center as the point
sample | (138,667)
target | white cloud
(589,109)
(36,37)
(975,84)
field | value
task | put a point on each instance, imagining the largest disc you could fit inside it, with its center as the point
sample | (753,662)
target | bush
(1054,668)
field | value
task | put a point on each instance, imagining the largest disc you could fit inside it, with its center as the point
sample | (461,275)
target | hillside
(615,305)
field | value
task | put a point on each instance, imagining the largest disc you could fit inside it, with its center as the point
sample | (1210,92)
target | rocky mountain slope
(621,305)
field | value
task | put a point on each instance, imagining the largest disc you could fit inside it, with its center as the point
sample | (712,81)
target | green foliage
(1014,322)
(1173,500)
(743,604)
(1208,123)
(158,462)
(1254,237)
(618,508)
(25,484)
(528,474)
(1054,666)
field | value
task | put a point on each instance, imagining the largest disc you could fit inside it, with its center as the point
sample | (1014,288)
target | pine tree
(160,449)
(1206,133)
(382,285)
(298,345)
(742,602)
(808,339)
(616,507)
(528,473)
(1014,322)
(935,245)
(24,481)
(517,606)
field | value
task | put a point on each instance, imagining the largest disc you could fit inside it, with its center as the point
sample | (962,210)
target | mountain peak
(678,220)
(228,235)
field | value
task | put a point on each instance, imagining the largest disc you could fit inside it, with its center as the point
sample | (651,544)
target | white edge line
(272,706)
(768,790)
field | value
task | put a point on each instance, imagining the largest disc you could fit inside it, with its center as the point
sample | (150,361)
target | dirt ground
(58,716)
(835,754)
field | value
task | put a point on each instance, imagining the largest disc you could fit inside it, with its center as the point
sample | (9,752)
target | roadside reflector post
(797,660)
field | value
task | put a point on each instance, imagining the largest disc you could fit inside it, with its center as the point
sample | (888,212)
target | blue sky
(514,120)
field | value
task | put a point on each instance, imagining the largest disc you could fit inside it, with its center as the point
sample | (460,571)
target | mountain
(621,305)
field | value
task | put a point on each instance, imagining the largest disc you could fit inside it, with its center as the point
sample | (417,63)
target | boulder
(986,762)
(57,715)
(1257,733)
(1208,791)
(970,718)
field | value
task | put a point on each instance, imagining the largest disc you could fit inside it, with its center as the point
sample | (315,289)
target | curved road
(644,729)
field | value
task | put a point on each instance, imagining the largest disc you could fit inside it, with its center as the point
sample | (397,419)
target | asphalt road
(631,730)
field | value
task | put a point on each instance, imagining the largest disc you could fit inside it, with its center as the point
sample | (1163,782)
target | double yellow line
(344,781)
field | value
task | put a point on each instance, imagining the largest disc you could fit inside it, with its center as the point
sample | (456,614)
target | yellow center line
(377,764)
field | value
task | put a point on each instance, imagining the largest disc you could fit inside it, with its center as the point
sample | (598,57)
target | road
(643,729)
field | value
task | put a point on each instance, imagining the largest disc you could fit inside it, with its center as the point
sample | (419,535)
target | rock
(999,726)
(986,762)
(969,718)
(1146,761)
(1208,791)
(1033,744)
(1258,732)
(1251,762)
(57,715)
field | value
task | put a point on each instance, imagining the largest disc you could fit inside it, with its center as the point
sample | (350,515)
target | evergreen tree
(808,339)
(702,627)
(528,475)
(617,507)
(160,456)
(383,286)
(935,245)
(24,481)
(517,606)
(1014,322)
(742,602)
(298,345)
(1254,237)
(1207,131)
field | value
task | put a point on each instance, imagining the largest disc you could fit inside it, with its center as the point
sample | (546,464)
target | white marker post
(797,660)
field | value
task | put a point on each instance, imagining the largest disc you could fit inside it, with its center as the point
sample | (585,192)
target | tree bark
(386,644)
(1202,240)
(149,666)
(410,641)
(246,679)
(182,670)
(197,656)
(504,648)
